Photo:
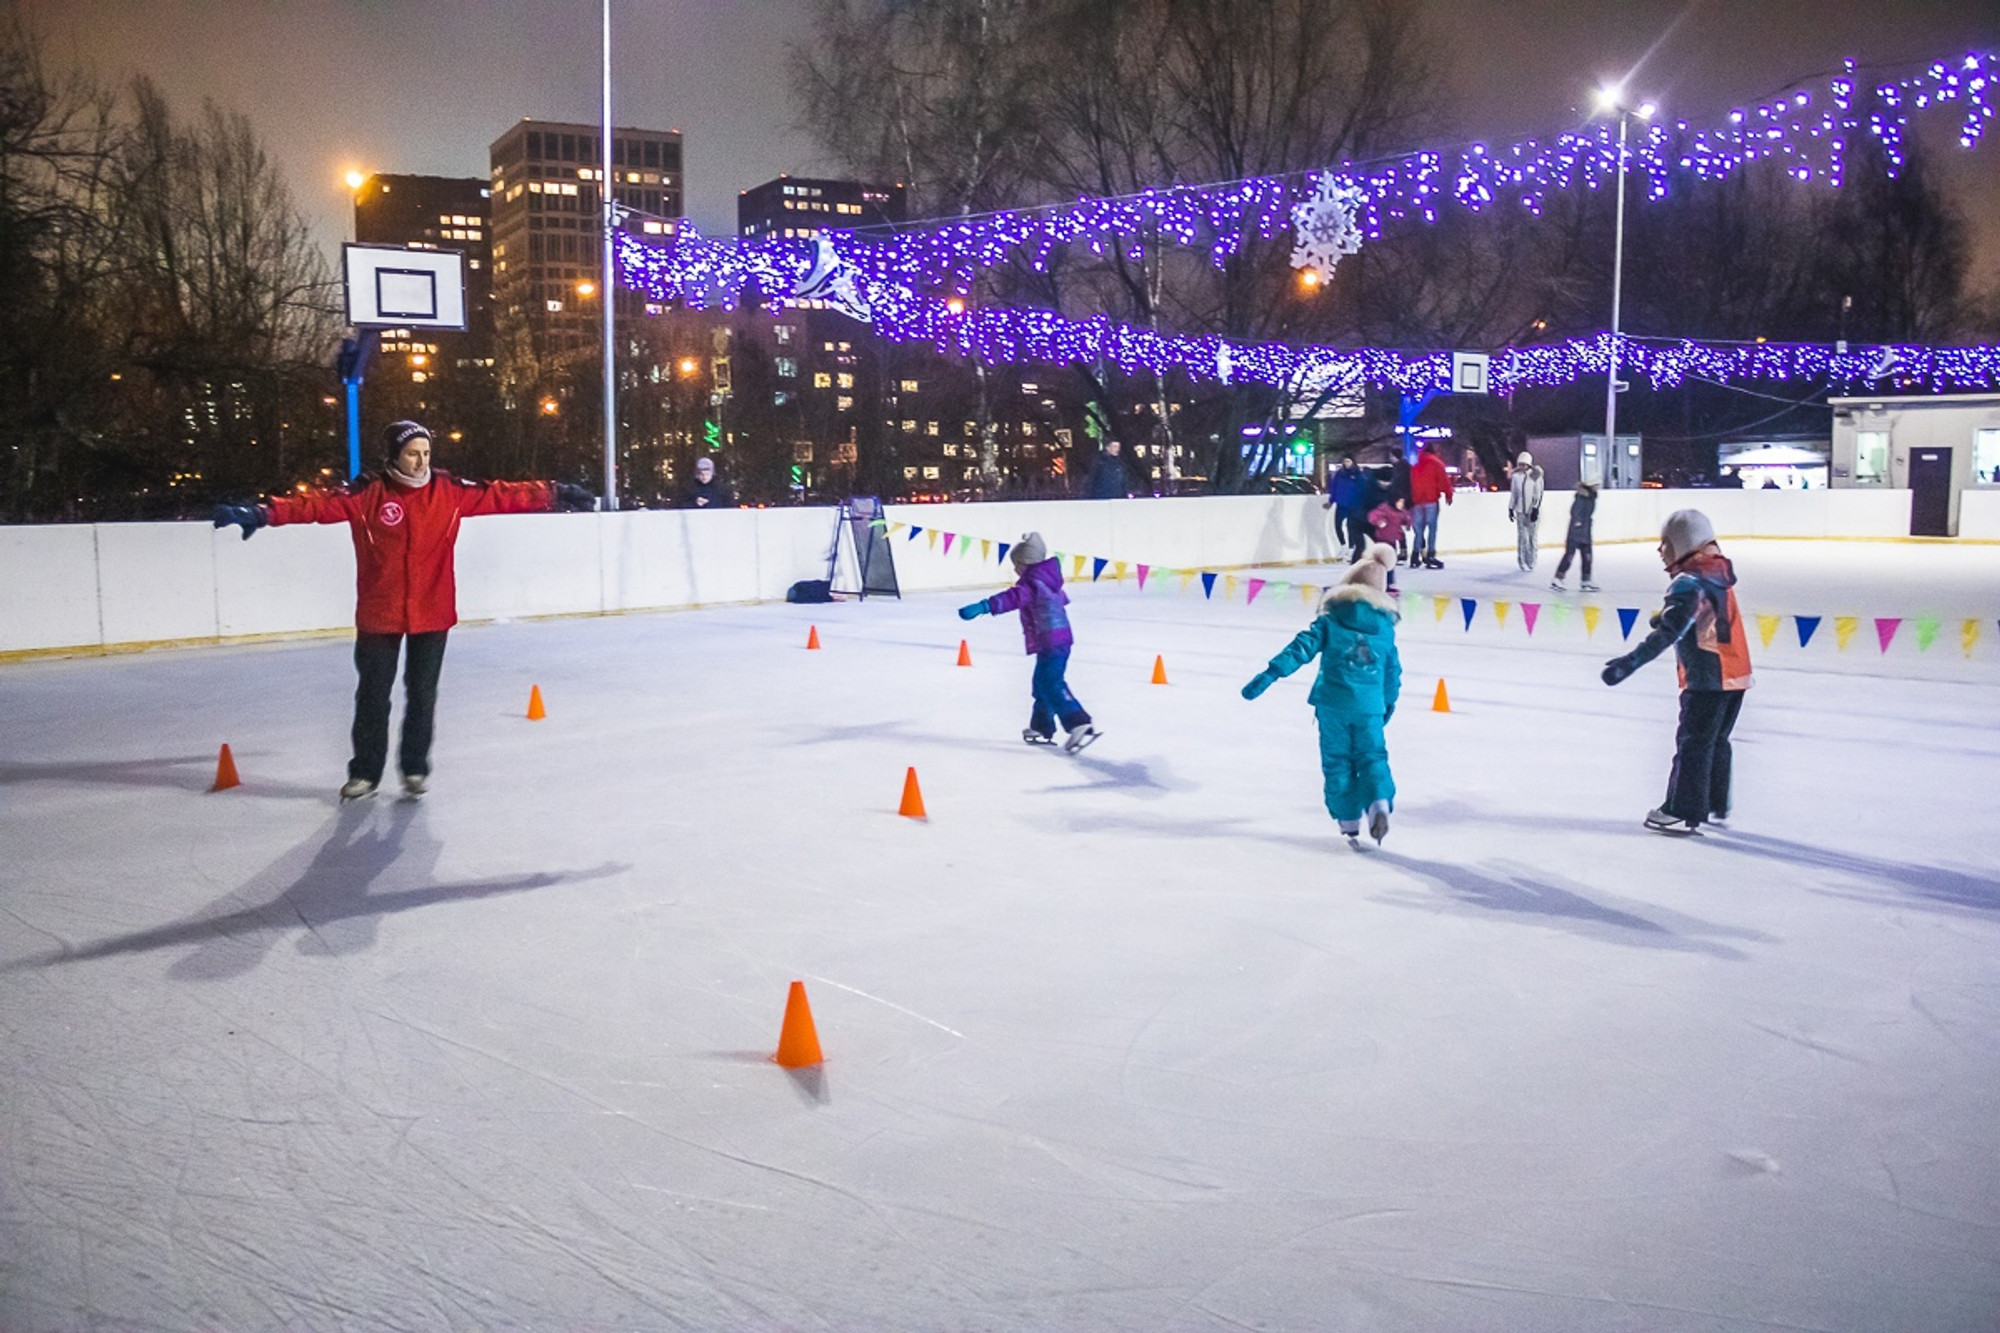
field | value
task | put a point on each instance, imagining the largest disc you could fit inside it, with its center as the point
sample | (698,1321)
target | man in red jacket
(1429,483)
(405,524)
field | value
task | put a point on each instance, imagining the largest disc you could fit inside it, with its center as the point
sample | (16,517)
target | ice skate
(1033,737)
(1588,586)
(355,789)
(1080,738)
(1378,821)
(1718,819)
(1661,822)
(1432,562)
(1350,829)
(1557,584)
(415,784)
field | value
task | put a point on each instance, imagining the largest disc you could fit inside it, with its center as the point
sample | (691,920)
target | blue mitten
(1617,669)
(1258,684)
(972,612)
(248,517)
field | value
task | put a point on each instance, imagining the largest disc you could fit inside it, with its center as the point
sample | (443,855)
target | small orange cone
(225,771)
(798,1043)
(913,797)
(1442,703)
(1159,669)
(812,636)
(964,654)
(535,710)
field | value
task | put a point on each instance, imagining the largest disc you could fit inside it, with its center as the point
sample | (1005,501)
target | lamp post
(1612,99)
(609,288)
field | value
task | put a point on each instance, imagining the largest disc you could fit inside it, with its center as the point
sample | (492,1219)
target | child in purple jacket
(1039,597)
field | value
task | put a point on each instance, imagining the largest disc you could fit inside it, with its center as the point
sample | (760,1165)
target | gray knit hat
(1372,569)
(1030,550)
(1685,532)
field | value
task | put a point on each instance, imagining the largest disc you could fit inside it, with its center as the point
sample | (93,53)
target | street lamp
(607,216)
(1612,99)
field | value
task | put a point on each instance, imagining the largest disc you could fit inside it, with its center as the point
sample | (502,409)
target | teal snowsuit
(1360,677)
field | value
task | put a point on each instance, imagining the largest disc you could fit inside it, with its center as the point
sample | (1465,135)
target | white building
(1936,446)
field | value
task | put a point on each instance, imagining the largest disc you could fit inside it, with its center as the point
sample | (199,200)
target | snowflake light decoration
(1327,225)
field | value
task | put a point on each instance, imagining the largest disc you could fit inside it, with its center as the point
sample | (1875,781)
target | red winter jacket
(1429,480)
(403,539)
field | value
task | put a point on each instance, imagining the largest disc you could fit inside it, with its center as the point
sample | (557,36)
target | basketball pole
(607,291)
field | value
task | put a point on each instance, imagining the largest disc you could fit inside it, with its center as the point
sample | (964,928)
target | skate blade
(1079,743)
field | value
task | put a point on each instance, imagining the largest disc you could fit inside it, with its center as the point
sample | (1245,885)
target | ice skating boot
(1557,584)
(1033,737)
(1588,586)
(1378,821)
(355,789)
(1081,738)
(1350,829)
(1432,562)
(415,784)
(1661,822)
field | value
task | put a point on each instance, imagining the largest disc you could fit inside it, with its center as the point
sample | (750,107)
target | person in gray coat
(1582,511)
(1525,508)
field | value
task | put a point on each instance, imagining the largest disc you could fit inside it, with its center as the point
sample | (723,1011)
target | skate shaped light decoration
(1327,225)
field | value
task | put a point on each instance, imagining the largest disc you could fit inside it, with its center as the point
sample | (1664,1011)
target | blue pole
(353,427)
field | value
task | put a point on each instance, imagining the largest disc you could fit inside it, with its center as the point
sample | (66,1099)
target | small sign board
(1468,372)
(392,287)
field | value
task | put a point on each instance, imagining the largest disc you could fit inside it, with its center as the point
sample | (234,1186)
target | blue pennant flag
(1470,607)
(1627,617)
(1004,547)
(1208,585)
(1807,624)
(1096,568)
(914,531)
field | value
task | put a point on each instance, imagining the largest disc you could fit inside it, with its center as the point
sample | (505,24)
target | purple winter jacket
(1040,600)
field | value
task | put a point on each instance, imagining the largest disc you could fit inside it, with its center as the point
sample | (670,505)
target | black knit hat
(399,433)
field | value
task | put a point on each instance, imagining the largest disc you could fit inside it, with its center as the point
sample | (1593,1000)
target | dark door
(1930,492)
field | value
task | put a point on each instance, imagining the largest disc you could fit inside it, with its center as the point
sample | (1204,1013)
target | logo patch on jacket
(392,514)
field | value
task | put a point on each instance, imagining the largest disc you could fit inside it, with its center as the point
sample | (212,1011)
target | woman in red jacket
(405,524)
(1429,483)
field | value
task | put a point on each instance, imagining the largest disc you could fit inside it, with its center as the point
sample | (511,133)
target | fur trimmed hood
(1360,592)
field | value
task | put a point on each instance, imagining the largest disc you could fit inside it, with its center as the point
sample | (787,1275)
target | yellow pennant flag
(896,526)
(1843,629)
(1076,568)
(1187,577)
(1307,590)
(1117,571)
(985,548)
(1968,634)
(1500,612)
(1440,604)
(1228,586)
(930,535)
(1590,615)
(1767,627)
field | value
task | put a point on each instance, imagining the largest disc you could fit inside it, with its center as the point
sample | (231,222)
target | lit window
(1030,388)
(1871,458)
(1986,457)
(930,474)
(846,380)
(909,474)
(909,386)
(951,451)
(909,427)
(930,428)
(843,404)
(555,307)
(782,332)
(822,380)
(787,368)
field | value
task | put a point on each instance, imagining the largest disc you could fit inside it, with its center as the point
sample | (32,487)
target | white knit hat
(1372,568)
(1030,550)
(1685,532)
(1525,460)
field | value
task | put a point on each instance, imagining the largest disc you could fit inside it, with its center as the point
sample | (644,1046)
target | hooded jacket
(1040,599)
(1429,481)
(1582,512)
(403,541)
(1525,505)
(1701,621)
(1354,638)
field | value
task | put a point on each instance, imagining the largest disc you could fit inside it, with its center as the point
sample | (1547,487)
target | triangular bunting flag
(949,538)
(1076,568)
(1843,630)
(1309,592)
(1142,577)
(1207,584)
(1004,546)
(1590,615)
(1440,604)
(1500,612)
(1228,587)
(985,543)
(964,546)
(1628,616)
(1187,578)
(931,537)
(914,530)
(1256,586)
(1117,571)
(1529,610)
(1927,628)
(897,526)
(1097,568)
(1558,613)
(1767,627)
(1885,629)
(1968,634)
(1470,607)
(1806,624)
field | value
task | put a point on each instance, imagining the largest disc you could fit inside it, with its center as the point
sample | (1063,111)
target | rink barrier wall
(107,587)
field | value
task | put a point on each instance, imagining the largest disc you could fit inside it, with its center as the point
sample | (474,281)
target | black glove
(1535,514)
(248,517)
(572,499)
(1617,669)
(1510,516)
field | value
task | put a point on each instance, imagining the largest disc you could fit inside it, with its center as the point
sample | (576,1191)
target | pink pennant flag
(949,537)
(1885,629)
(1142,577)
(1530,610)
(1256,586)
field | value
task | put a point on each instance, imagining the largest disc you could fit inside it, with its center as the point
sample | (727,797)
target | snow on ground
(1128,1040)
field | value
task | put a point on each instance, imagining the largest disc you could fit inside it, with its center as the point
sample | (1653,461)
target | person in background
(1576,543)
(1700,620)
(1347,497)
(405,520)
(1108,479)
(1038,596)
(1524,506)
(1391,523)
(707,490)
(1429,483)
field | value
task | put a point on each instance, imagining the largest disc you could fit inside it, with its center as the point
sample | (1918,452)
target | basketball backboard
(392,287)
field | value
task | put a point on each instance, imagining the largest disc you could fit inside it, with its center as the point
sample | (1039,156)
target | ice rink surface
(1130,1040)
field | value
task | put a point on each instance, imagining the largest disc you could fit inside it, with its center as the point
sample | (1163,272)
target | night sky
(425,87)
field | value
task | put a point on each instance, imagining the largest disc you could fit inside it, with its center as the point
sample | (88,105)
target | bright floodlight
(356,179)
(1647,110)
(1607,97)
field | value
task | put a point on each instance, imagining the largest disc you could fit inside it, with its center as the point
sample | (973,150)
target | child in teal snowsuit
(1360,677)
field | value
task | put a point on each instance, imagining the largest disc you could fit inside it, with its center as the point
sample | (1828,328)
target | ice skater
(1582,513)
(1360,676)
(1701,621)
(1038,595)
(405,521)
(1391,522)
(1524,506)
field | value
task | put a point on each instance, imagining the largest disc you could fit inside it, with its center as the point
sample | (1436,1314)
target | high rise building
(434,213)
(546,213)
(794,207)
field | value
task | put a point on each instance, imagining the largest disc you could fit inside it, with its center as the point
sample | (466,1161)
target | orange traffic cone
(225,771)
(798,1043)
(812,636)
(535,710)
(964,654)
(1159,669)
(913,797)
(1441,703)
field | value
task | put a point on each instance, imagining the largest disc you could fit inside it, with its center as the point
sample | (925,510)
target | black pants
(1699,784)
(1573,549)
(375,662)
